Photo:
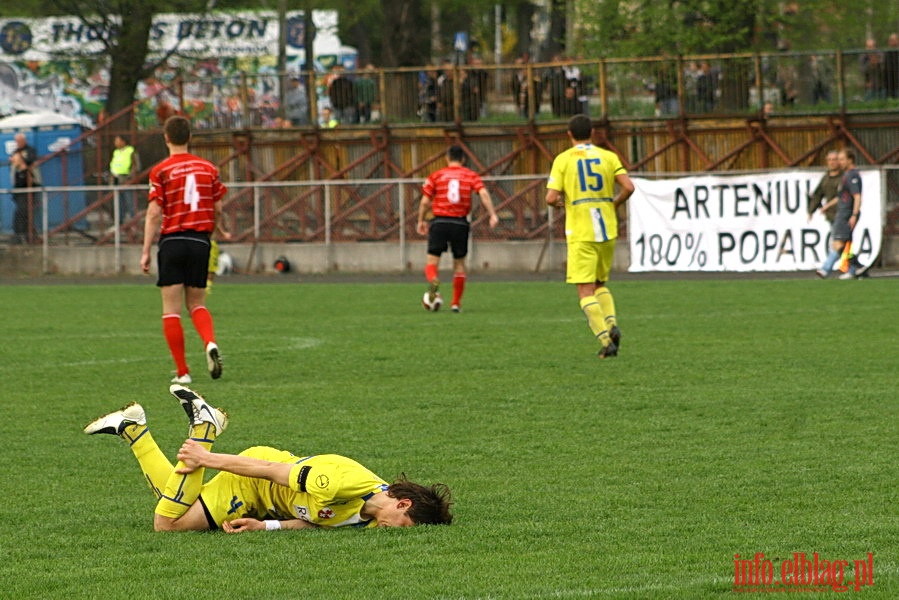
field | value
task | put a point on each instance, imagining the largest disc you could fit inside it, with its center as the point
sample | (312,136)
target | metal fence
(329,215)
(733,84)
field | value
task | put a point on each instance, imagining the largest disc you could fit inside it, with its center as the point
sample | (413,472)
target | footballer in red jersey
(447,193)
(186,208)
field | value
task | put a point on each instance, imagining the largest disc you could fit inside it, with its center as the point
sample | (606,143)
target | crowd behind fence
(734,84)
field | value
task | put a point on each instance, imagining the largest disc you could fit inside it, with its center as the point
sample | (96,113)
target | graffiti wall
(59,64)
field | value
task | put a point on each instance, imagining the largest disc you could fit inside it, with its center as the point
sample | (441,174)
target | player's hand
(192,455)
(243,524)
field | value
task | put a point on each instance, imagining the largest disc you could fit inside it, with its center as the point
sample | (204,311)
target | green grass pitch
(742,417)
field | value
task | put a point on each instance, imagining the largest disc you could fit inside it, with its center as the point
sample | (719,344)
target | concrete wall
(355,257)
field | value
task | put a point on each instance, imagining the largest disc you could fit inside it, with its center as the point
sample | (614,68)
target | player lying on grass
(324,490)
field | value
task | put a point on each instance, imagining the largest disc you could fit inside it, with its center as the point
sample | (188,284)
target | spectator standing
(849,206)
(821,75)
(427,95)
(891,67)
(824,198)
(342,96)
(468,90)
(521,92)
(447,193)
(446,94)
(556,83)
(297,103)
(366,91)
(185,207)
(582,180)
(575,96)
(24,176)
(478,79)
(706,86)
(124,167)
(871,63)
(666,91)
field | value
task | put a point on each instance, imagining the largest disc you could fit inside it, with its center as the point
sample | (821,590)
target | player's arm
(193,455)
(625,189)
(423,207)
(856,210)
(151,225)
(554,198)
(220,226)
(488,204)
(249,524)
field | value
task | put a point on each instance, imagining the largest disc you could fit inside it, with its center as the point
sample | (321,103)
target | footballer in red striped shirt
(186,209)
(447,194)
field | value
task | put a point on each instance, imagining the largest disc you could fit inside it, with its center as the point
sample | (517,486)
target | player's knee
(161,523)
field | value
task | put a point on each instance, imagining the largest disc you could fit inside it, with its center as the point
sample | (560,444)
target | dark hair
(455,153)
(581,128)
(430,505)
(177,130)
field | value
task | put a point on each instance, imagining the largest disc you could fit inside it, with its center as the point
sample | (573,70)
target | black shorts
(183,257)
(448,232)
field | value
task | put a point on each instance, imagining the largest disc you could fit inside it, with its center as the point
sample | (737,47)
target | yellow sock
(156,467)
(604,296)
(595,319)
(182,490)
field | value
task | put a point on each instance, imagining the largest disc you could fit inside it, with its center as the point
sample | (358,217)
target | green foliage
(650,28)
(742,416)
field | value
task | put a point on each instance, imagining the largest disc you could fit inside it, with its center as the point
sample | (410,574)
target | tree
(679,27)
(125,34)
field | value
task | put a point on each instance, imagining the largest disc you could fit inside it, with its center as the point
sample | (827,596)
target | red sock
(203,324)
(430,272)
(458,288)
(174,336)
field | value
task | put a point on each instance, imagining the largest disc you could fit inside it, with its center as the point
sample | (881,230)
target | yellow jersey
(326,489)
(585,174)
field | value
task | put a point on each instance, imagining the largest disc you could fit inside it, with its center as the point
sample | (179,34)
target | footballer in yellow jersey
(585,174)
(583,180)
(263,488)
(326,490)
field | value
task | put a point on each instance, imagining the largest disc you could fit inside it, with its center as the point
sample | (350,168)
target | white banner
(756,222)
(210,35)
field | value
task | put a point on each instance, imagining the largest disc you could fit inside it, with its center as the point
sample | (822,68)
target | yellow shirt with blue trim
(585,174)
(328,490)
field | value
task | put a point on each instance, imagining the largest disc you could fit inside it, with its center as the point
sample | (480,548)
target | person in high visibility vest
(124,168)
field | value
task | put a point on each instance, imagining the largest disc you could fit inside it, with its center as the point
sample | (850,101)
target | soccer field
(742,417)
